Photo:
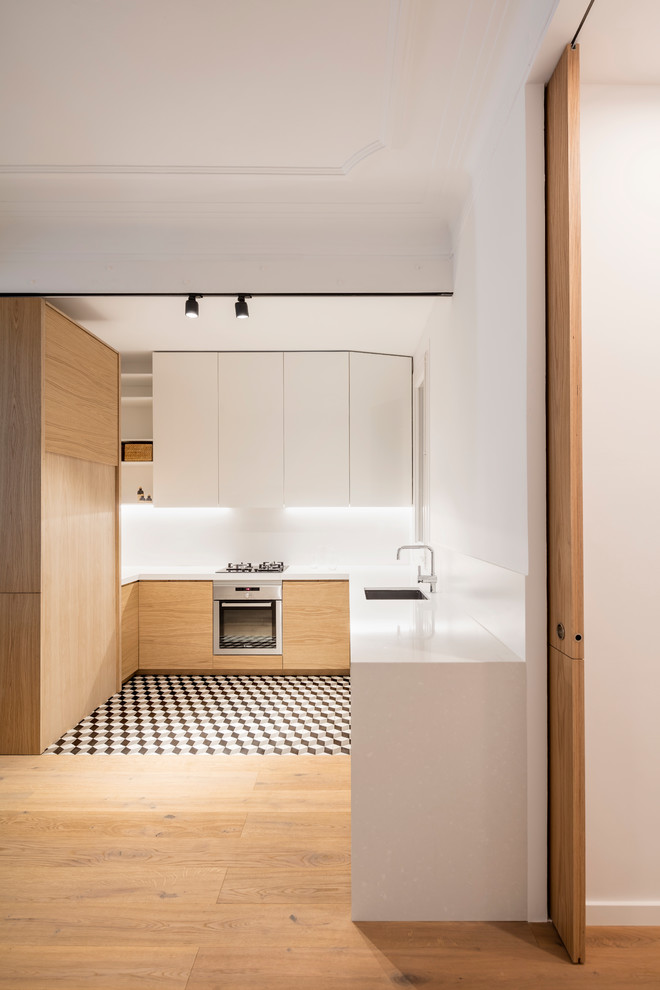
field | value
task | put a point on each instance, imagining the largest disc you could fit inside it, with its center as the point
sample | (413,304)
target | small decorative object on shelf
(137,450)
(142,497)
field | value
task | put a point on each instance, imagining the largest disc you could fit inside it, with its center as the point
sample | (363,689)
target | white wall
(478,355)
(213,537)
(536,605)
(620,153)
(487,432)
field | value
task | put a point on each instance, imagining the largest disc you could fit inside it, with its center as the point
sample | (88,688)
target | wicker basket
(140,450)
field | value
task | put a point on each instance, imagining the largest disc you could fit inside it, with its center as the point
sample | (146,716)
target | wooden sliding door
(564,479)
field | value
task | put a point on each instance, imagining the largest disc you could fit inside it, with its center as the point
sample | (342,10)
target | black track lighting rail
(218,295)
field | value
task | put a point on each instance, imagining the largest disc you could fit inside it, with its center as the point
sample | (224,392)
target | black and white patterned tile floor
(230,714)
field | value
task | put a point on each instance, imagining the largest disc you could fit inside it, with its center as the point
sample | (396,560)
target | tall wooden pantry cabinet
(59,548)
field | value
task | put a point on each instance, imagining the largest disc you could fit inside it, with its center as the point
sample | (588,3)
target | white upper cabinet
(381,429)
(316,428)
(251,435)
(266,429)
(185,418)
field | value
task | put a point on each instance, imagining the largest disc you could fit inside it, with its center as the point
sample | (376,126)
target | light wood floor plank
(163,853)
(126,766)
(299,968)
(110,826)
(170,923)
(94,968)
(298,800)
(113,882)
(311,886)
(134,796)
(321,776)
(295,827)
(167,764)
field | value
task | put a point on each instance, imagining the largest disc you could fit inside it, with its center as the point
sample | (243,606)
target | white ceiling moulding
(352,250)
(267,170)
(151,232)
(78,273)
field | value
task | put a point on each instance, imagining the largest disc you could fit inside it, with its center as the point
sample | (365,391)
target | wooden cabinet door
(176,625)
(316,428)
(315,626)
(251,434)
(129,629)
(185,415)
(81,392)
(381,430)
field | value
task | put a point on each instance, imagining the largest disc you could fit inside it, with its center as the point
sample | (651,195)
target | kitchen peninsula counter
(438,760)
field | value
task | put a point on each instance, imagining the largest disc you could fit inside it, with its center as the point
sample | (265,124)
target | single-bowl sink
(393,594)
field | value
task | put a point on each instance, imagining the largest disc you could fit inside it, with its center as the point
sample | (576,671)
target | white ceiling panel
(140,325)
(161,84)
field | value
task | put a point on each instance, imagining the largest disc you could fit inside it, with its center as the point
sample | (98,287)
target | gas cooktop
(266,567)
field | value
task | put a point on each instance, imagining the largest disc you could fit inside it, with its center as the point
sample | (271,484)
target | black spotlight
(192,306)
(241,307)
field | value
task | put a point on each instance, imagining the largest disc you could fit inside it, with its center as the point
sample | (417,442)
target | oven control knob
(247,594)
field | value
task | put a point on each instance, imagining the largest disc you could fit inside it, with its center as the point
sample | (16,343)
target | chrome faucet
(431,578)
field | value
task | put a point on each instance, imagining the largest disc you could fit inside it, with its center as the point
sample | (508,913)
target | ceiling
(138,326)
(160,146)
(217,146)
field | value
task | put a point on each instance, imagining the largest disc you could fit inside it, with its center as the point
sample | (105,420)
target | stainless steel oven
(247,616)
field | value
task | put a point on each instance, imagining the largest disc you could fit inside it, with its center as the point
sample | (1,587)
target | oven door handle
(263,604)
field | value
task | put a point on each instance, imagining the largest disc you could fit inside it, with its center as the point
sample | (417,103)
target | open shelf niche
(136,424)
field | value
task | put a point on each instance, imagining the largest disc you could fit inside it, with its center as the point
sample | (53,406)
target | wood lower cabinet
(176,632)
(130,599)
(176,625)
(315,619)
(175,629)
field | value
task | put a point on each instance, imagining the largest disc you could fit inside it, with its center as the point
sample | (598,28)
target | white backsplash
(494,596)
(213,537)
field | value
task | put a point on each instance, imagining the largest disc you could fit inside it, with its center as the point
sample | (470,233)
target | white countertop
(292,573)
(383,631)
(417,631)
